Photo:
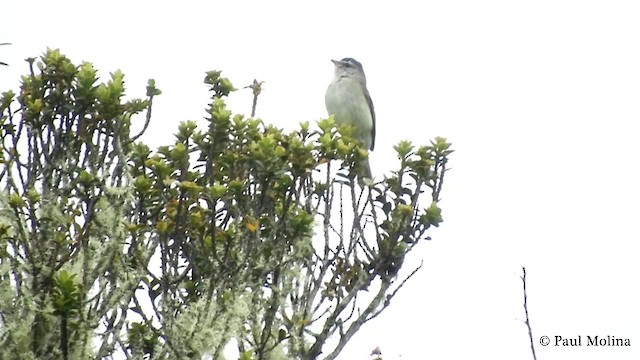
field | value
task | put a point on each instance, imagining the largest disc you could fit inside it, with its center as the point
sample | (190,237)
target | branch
(526,311)
(393,294)
(256,86)
(151,92)
(355,326)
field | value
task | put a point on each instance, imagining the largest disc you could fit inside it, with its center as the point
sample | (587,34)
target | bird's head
(348,67)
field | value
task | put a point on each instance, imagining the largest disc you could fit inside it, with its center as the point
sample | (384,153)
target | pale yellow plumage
(348,100)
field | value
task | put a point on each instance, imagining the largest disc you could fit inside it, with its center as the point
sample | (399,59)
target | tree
(108,247)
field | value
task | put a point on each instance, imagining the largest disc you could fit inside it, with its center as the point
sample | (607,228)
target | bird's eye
(350,62)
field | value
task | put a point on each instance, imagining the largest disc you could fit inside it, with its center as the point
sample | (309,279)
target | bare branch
(526,311)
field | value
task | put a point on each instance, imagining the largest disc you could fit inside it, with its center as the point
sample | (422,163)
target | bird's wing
(373,118)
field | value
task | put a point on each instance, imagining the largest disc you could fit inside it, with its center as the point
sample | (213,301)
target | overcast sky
(541,100)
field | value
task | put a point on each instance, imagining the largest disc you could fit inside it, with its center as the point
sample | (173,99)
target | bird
(348,100)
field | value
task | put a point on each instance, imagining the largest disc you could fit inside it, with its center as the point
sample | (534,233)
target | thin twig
(526,310)
(147,121)
(256,86)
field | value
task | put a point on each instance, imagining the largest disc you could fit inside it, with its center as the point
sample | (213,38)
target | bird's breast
(345,99)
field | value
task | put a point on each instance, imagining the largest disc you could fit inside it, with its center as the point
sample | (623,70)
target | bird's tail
(367,170)
(366,173)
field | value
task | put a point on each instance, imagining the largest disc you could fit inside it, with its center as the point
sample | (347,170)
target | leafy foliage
(109,247)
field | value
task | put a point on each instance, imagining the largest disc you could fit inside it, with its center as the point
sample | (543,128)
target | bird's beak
(336,62)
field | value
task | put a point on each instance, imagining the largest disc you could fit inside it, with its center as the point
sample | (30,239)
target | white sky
(541,100)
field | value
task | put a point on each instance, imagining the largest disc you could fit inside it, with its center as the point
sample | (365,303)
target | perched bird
(347,98)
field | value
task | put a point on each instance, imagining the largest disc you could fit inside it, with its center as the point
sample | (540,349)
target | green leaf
(6,100)
(404,148)
(247,355)
(282,334)
(432,215)
(217,190)
(16,201)
(142,184)
(86,178)
(152,90)
(66,293)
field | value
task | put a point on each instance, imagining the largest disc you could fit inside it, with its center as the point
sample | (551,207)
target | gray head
(349,67)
